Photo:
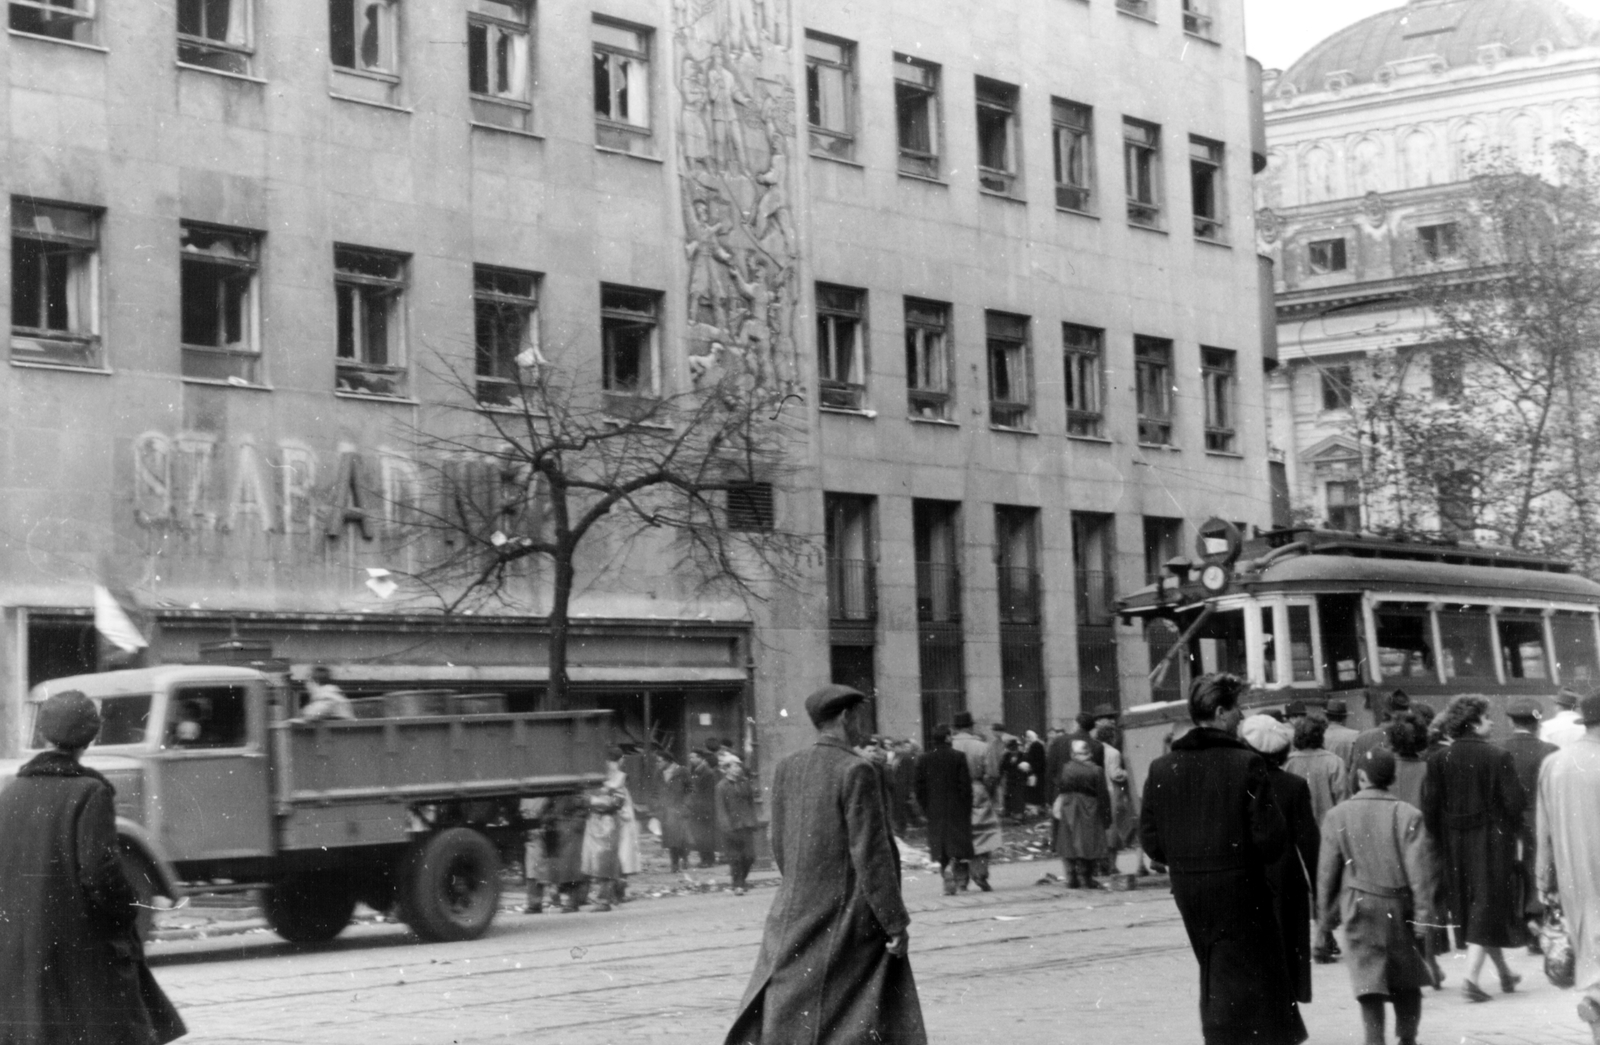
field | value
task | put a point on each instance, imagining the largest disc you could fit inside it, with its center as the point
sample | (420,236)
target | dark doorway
(60,648)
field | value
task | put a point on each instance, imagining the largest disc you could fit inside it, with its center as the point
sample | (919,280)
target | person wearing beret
(833,966)
(74,971)
(1293,874)
(1339,738)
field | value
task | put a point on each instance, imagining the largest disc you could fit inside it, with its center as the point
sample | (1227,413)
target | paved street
(1025,964)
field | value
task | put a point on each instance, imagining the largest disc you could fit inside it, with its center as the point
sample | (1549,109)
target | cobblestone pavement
(1025,964)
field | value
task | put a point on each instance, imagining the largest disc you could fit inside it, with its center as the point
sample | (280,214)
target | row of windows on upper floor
(1435,243)
(55,321)
(365,56)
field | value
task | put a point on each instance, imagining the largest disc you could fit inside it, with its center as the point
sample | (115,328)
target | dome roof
(1452,29)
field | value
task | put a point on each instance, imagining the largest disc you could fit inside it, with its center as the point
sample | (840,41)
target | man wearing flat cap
(832,966)
(71,962)
(1528,753)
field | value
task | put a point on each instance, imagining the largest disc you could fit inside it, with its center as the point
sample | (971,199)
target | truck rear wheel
(309,908)
(452,886)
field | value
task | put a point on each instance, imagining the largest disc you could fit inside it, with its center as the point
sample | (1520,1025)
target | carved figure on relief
(1318,167)
(737,99)
(1367,160)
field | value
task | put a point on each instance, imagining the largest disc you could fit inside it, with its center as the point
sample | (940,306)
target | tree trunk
(556,693)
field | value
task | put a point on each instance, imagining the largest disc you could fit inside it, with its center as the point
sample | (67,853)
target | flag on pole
(113,623)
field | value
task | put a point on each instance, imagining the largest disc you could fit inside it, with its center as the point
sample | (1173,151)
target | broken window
(1219,370)
(369,287)
(1338,383)
(215,34)
(1084,357)
(928,359)
(497,61)
(1404,641)
(58,19)
(362,35)
(1466,645)
(1326,255)
(997,136)
(55,303)
(1141,151)
(1135,7)
(621,75)
(505,305)
(1206,187)
(916,109)
(628,331)
(841,348)
(1152,362)
(1074,153)
(1522,653)
(1010,390)
(218,270)
(1438,242)
(830,95)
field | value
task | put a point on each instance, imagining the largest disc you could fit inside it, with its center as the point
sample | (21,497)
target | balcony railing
(1019,594)
(1094,597)
(852,590)
(938,592)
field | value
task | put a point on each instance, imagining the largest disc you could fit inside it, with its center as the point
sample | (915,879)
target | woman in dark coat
(674,803)
(1082,812)
(1209,815)
(944,791)
(1292,874)
(1016,778)
(703,779)
(74,965)
(1472,805)
(1033,752)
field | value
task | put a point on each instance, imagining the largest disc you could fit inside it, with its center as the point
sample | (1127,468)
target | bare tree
(541,474)
(1503,439)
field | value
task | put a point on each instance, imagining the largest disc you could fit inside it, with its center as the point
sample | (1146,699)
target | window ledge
(186,67)
(1160,446)
(1157,229)
(336,96)
(840,160)
(57,40)
(1010,430)
(518,131)
(1097,440)
(29,365)
(369,397)
(631,155)
(1006,196)
(1203,38)
(1230,454)
(847,412)
(941,422)
(1221,244)
(1136,16)
(248,386)
(924,179)
(1078,213)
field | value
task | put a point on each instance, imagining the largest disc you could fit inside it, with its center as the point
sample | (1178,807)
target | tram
(1313,615)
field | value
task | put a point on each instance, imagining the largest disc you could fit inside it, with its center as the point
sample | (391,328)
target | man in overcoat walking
(944,791)
(1569,851)
(72,966)
(1528,753)
(832,968)
(1209,816)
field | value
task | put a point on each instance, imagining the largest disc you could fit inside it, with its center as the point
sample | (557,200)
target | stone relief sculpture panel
(1367,167)
(1418,163)
(1317,167)
(736,137)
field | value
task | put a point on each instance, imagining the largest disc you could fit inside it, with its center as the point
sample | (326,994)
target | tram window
(1405,645)
(1575,649)
(1221,643)
(1467,650)
(1302,665)
(1269,646)
(1341,639)
(1522,647)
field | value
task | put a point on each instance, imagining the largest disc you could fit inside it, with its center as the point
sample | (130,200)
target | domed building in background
(1373,136)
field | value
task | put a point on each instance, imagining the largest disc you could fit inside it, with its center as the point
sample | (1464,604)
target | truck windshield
(123,720)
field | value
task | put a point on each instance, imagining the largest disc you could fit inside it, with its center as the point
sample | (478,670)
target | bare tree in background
(552,463)
(1505,437)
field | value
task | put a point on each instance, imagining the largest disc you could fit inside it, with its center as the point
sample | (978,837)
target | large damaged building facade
(1001,256)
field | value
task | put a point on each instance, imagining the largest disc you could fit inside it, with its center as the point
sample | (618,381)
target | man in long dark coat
(1528,753)
(71,963)
(703,779)
(944,791)
(833,965)
(1209,816)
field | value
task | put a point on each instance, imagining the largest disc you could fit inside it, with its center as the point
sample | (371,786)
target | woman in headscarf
(1293,873)
(1083,812)
(1472,804)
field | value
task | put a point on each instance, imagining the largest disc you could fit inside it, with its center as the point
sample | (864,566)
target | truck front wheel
(308,908)
(452,887)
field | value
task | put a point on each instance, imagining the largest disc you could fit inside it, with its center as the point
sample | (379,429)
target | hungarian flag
(114,624)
